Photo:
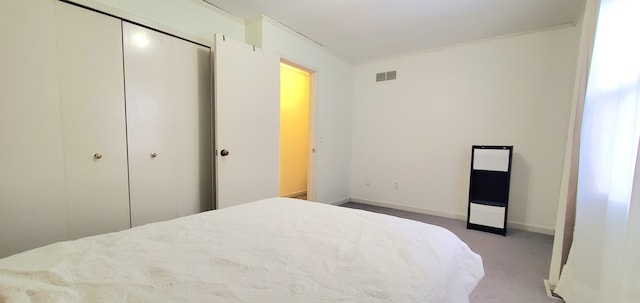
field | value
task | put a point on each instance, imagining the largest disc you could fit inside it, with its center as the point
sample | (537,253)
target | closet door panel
(32,199)
(169,125)
(193,126)
(152,193)
(93,120)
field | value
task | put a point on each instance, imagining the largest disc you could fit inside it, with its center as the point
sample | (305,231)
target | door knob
(153,155)
(97,155)
(224,152)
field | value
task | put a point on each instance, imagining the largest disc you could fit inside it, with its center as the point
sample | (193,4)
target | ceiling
(364,30)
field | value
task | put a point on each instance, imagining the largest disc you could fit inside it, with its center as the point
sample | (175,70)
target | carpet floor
(514,266)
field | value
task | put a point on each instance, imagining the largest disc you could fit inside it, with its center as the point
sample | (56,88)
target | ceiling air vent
(391,75)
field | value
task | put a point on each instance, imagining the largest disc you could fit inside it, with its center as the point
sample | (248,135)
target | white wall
(333,93)
(418,129)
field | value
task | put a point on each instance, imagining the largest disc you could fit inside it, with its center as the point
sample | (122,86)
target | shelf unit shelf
(489,188)
(489,203)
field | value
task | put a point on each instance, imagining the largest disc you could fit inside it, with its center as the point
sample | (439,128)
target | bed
(272,250)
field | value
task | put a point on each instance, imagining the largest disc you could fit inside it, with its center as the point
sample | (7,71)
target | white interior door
(168,103)
(247,122)
(93,121)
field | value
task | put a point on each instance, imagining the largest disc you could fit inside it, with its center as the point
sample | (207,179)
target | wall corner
(253,31)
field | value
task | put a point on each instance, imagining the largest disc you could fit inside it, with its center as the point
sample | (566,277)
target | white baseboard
(340,202)
(463,217)
(411,209)
(532,228)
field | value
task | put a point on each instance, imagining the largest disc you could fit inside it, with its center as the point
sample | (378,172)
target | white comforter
(274,250)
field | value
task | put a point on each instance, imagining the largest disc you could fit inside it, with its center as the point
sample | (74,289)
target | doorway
(295,151)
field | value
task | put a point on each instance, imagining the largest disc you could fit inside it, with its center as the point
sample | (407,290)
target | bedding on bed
(273,250)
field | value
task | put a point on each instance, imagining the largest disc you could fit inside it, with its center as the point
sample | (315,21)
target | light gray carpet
(514,265)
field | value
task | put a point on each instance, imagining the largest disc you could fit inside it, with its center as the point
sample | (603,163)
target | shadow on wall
(206,168)
(519,188)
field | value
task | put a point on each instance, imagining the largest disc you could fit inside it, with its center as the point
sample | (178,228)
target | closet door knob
(97,155)
(153,155)
(224,152)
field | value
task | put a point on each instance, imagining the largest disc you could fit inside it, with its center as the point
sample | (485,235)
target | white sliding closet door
(247,122)
(93,121)
(32,198)
(168,103)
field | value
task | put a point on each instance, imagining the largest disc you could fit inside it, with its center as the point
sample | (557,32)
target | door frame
(313,146)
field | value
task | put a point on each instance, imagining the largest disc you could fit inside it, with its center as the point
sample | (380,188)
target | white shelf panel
(487,215)
(491,159)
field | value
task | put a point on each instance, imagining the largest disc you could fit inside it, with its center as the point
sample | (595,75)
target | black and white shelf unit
(489,188)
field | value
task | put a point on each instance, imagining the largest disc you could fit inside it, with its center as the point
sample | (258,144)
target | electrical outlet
(367,182)
(396,185)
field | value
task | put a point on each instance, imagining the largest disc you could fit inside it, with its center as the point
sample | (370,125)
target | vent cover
(390,75)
